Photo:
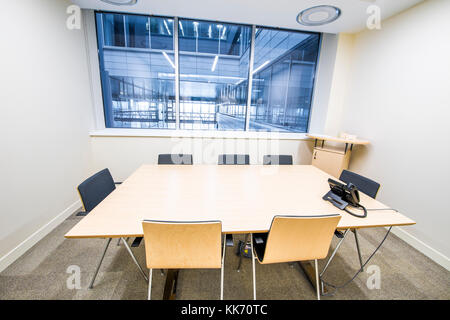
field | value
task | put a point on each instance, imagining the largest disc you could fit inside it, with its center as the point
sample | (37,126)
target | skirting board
(417,244)
(18,251)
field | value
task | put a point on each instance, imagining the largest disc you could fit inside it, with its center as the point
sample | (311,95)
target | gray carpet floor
(41,273)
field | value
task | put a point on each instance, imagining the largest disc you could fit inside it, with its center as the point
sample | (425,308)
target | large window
(283,79)
(139,70)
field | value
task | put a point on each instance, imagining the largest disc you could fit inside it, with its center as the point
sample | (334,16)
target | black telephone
(342,196)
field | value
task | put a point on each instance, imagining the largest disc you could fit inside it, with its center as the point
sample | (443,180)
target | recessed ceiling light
(121,2)
(318,16)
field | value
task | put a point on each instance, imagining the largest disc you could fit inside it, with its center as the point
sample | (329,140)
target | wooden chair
(294,238)
(183,245)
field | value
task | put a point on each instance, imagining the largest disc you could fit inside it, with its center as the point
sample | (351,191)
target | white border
(19,250)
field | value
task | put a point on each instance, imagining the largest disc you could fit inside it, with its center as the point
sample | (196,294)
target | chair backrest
(234,159)
(293,238)
(96,188)
(282,159)
(182,245)
(363,184)
(175,159)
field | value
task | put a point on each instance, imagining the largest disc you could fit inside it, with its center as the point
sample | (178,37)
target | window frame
(102,130)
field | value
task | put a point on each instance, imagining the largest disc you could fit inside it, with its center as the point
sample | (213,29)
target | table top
(336,139)
(245,198)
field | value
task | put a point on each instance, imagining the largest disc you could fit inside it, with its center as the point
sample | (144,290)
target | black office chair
(233,159)
(93,191)
(281,159)
(175,159)
(168,159)
(364,185)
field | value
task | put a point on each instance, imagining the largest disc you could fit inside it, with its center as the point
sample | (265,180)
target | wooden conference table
(244,198)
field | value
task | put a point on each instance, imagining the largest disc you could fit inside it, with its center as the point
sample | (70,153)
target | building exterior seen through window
(138,73)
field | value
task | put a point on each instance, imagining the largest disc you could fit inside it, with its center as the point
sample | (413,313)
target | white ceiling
(274,13)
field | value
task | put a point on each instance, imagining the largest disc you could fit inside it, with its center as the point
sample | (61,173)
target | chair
(168,159)
(233,159)
(294,238)
(175,159)
(365,185)
(183,245)
(92,191)
(277,160)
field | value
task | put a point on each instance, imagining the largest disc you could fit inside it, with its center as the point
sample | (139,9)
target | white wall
(46,114)
(123,155)
(398,97)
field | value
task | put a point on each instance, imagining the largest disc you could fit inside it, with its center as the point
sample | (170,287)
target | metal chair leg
(253,267)
(222,267)
(118,242)
(317,279)
(358,249)
(134,258)
(150,285)
(91,285)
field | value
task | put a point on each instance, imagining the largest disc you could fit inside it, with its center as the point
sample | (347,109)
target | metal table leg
(134,259)
(358,249)
(331,258)
(310,271)
(91,285)
(170,288)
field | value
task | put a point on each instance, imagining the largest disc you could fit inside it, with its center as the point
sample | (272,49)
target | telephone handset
(342,195)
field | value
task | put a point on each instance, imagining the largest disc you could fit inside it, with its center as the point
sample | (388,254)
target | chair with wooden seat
(364,185)
(294,238)
(183,245)
(175,159)
(277,159)
(234,159)
(92,191)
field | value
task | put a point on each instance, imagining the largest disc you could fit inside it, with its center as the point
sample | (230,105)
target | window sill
(198,134)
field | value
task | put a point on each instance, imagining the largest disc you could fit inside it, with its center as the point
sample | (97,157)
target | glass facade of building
(138,73)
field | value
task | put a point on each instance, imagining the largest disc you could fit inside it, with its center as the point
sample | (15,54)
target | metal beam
(250,79)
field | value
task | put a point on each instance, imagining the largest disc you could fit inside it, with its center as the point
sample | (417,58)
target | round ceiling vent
(318,16)
(121,2)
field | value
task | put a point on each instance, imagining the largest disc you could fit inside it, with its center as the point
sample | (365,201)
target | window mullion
(250,79)
(177,73)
